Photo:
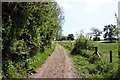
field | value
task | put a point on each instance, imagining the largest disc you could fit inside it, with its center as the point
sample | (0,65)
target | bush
(93,59)
(10,70)
(82,44)
(103,66)
(92,69)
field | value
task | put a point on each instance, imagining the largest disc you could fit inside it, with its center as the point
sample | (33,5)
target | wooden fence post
(110,56)
(96,50)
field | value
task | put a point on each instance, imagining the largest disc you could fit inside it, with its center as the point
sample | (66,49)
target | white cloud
(92,5)
(67,4)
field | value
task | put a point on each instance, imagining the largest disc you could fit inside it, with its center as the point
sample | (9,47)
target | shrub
(10,70)
(92,69)
(80,44)
(93,59)
(103,66)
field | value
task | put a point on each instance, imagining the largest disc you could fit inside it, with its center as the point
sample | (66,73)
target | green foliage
(68,45)
(110,31)
(28,29)
(70,37)
(10,70)
(93,59)
(96,33)
(22,69)
(19,47)
(82,43)
(63,38)
(60,36)
(119,48)
(91,66)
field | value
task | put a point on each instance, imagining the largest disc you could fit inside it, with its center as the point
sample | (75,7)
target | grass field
(94,67)
(104,49)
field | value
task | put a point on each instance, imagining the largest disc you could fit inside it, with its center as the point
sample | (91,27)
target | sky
(85,14)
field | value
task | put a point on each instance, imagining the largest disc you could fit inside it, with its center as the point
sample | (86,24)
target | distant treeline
(62,37)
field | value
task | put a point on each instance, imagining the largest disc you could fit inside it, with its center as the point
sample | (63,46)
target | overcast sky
(85,14)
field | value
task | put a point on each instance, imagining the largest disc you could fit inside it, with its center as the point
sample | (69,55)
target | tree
(110,32)
(28,28)
(89,35)
(59,35)
(96,33)
(70,37)
(63,37)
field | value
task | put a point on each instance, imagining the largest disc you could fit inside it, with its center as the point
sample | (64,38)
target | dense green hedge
(28,28)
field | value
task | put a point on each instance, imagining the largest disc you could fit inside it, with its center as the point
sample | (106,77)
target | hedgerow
(28,28)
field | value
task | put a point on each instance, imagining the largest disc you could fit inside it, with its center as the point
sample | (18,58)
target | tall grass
(92,66)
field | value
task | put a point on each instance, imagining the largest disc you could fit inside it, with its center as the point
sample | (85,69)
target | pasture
(93,66)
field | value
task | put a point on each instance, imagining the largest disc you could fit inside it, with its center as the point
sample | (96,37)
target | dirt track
(58,65)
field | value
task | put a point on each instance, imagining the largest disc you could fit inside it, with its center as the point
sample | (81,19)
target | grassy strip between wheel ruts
(91,66)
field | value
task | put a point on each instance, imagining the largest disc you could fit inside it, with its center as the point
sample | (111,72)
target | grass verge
(23,69)
(93,66)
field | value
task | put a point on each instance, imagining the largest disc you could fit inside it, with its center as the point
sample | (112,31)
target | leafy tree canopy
(110,31)
(70,37)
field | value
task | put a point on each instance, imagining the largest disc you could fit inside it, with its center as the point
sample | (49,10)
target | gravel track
(58,65)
